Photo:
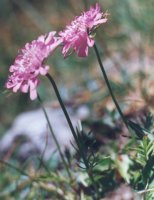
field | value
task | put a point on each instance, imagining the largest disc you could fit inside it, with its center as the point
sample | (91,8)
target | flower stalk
(88,169)
(55,139)
(109,86)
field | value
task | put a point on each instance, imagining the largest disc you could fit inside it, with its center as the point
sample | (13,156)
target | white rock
(33,126)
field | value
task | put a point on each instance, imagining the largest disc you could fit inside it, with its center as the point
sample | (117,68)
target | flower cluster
(29,63)
(77,34)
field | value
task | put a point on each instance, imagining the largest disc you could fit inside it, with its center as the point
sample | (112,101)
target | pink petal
(49,37)
(33,94)
(44,70)
(16,88)
(82,50)
(55,44)
(12,68)
(90,42)
(66,49)
(101,21)
(24,88)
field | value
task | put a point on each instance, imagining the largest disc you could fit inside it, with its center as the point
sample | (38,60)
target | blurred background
(126,45)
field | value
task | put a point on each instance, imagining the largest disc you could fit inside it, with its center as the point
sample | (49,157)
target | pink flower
(94,17)
(77,34)
(24,82)
(29,64)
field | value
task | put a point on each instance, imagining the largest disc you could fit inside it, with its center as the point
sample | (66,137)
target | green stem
(62,104)
(109,86)
(14,167)
(55,139)
(72,130)
(146,191)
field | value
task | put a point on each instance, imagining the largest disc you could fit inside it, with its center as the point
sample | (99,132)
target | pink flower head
(29,64)
(77,34)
